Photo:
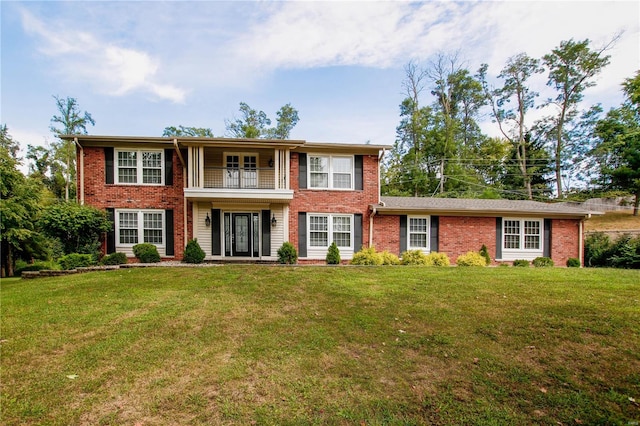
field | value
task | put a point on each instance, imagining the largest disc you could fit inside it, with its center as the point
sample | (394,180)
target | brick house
(243,198)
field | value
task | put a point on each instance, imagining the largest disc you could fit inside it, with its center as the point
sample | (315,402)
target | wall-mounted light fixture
(274,221)
(271,162)
(207,221)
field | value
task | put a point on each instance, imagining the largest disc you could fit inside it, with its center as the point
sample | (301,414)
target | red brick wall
(386,233)
(325,201)
(565,240)
(460,234)
(98,194)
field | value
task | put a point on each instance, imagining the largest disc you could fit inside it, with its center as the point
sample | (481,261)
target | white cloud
(112,69)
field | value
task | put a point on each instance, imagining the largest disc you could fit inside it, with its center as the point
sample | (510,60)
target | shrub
(597,249)
(573,262)
(389,258)
(438,259)
(625,253)
(114,259)
(333,255)
(287,254)
(76,260)
(523,263)
(542,262)
(146,253)
(193,253)
(484,252)
(367,256)
(414,257)
(471,258)
(39,265)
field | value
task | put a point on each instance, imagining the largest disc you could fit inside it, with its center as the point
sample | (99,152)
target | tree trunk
(636,204)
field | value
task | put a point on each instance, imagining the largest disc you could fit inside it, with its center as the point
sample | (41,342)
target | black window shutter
(266,232)
(498,238)
(216,243)
(168,217)
(358,171)
(302,234)
(111,234)
(108,165)
(403,234)
(357,232)
(435,226)
(302,170)
(547,238)
(168,167)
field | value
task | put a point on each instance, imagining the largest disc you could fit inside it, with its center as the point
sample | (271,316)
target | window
(242,170)
(330,172)
(521,234)
(325,229)
(144,167)
(418,233)
(132,224)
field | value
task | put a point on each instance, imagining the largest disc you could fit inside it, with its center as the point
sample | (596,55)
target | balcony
(239,178)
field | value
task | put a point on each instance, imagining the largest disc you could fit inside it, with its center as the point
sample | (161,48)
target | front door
(241,234)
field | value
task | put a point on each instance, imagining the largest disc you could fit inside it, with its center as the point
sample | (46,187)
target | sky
(140,66)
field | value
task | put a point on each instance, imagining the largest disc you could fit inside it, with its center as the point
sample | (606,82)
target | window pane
(512,241)
(319,180)
(342,165)
(418,240)
(128,224)
(532,242)
(319,164)
(152,167)
(318,231)
(341,180)
(126,175)
(417,224)
(512,227)
(127,167)
(342,231)
(152,159)
(127,159)
(152,223)
(151,176)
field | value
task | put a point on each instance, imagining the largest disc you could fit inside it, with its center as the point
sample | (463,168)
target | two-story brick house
(243,198)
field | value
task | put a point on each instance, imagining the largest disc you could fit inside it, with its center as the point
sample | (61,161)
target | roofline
(382,210)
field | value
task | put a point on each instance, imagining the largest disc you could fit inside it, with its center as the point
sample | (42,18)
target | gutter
(81,170)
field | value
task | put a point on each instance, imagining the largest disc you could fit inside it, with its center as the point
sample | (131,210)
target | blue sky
(139,66)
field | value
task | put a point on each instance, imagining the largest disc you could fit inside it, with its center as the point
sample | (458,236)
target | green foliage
(287,254)
(182,131)
(625,253)
(573,262)
(438,259)
(389,258)
(193,253)
(114,259)
(471,258)
(78,227)
(542,262)
(76,260)
(146,253)
(521,263)
(484,252)
(597,249)
(367,256)
(333,255)
(254,124)
(414,257)
(39,265)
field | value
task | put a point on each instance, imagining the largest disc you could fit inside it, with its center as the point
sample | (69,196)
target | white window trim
(522,253)
(140,226)
(426,249)
(314,252)
(241,156)
(139,168)
(330,172)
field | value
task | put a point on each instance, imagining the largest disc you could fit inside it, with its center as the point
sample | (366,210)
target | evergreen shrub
(471,258)
(573,262)
(287,254)
(414,257)
(193,253)
(438,259)
(522,263)
(146,253)
(76,260)
(333,254)
(542,262)
(114,259)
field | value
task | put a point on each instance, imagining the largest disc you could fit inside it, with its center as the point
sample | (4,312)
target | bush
(39,265)
(522,263)
(471,258)
(484,252)
(597,249)
(389,258)
(114,259)
(438,259)
(542,262)
(287,254)
(193,253)
(573,262)
(333,255)
(625,253)
(367,256)
(76,260)
(414,257)
(146,253)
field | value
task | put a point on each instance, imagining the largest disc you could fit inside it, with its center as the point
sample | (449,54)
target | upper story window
(139,167)
(330,172)
(522,234)
(418,233)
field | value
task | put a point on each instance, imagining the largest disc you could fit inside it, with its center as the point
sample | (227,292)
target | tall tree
(71,121)
(19,205)
(618,149)
(510,104)
(255,124)
(199,132)
(286,121)
(572,67)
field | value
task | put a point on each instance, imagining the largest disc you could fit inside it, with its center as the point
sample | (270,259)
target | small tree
(287,253)
(146,253)
(484,252)
(333,255)
(193,253)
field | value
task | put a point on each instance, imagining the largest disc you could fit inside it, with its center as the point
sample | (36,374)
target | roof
(478,207)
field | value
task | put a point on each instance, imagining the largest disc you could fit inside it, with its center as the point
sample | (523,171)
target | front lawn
(322,345)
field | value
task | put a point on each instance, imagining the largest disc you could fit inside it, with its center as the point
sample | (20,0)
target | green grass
(317,345)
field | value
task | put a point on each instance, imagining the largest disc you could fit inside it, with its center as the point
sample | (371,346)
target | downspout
(184,200)
(373,213)
(81,170)
(581,240)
